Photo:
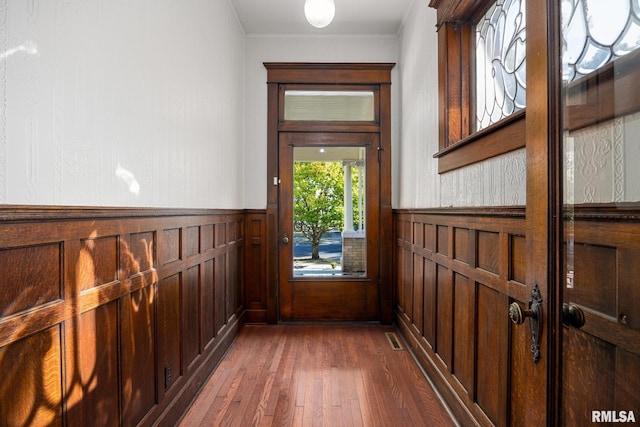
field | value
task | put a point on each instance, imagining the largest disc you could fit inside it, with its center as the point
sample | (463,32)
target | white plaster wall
(300,49)
(418,182)
(496,182)
(95,94)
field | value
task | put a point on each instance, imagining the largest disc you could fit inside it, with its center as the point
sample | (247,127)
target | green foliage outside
(318,200)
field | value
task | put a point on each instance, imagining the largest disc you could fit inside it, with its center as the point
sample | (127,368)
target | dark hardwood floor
(317,375)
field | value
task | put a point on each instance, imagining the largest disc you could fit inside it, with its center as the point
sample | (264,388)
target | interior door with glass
(601,148)
(328,226)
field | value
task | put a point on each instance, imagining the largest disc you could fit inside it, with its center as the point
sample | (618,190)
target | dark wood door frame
(372,75)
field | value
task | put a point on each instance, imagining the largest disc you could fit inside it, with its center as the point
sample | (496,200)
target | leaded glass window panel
(596,32)
(500,62)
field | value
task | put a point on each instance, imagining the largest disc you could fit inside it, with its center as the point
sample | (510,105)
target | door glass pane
(601,148)
(595,33)
(329,105)
(329,211)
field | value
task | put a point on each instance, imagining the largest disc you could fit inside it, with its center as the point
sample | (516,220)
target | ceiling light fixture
(319,13)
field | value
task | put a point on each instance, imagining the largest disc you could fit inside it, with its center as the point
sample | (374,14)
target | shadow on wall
(84,347)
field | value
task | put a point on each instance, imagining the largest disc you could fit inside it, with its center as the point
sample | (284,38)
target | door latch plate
(535,321)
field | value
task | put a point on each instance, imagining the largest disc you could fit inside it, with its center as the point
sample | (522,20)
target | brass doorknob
(285,239)
(572,315)
(518,315)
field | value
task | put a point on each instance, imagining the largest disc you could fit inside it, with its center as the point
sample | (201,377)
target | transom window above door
(329,105)
(343,105)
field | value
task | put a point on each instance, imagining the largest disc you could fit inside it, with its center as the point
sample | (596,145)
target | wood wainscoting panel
(97,263)
(24,288)
(31,387)
(234,293)
(140,254)
(429,297)
(400,268)
(418,234)
(442,241)
(465,330)
(138,344)
(461,245)
(114,316)
(91,367)
(191,320)
(418,286)
(488,251)
(255,260)
(192,241)
(221,234)
(481,362)
(455,271)
(221,297)
(170,246)
(444,315)
(208,301)
(169,332)
(208,237)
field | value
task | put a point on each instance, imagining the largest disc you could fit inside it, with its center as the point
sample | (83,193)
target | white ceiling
(353,17)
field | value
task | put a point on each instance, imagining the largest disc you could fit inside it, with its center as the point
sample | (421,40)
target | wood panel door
(312,290)
(598,284)
(601,317)
(364,123)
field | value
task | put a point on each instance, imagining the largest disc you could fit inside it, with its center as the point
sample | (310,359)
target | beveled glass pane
(349,106)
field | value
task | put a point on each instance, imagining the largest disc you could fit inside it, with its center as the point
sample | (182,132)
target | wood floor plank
(316,375)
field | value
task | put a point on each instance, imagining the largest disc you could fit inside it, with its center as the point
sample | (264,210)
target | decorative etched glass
(500,62)
(596,32)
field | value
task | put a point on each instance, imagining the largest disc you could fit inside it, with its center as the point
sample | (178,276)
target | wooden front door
(332,106)
(599,284)
(342,285)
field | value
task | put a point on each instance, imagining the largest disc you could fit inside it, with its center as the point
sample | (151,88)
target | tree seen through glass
(318,199)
